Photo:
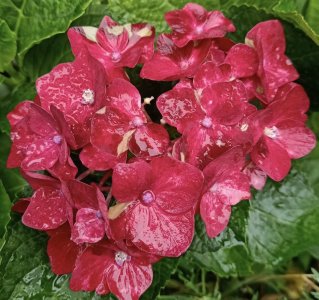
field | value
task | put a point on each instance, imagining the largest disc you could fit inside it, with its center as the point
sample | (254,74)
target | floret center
(57,139)
(87,96)
(116,56)
(207,122)
(148,197)
(121,257)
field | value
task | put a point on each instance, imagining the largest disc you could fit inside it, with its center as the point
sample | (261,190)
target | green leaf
(151,11)
(25,91)
(25,272)
(162,272)
(225,255)
(5,206)
(7,45)
(11,178)
(283,220)
(57,50)
(35,20)
(299,13)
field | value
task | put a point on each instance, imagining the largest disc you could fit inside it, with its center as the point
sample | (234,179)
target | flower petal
(215,213)
(47,209)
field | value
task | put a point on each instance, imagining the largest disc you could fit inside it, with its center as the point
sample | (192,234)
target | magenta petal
(124,96)
(243,60)
(130,180)
(88,227)
(257,176)
(37,180)
(179,107)
(47,210)
(19,113)
(40,155)
(129,281)
(215,213)
(89,269)
(65,171)
(297,139)
(62,251)
(176,185)
(275,69)
(272,158)
(225,102)
(153,231)
(99,160)
(210,73)
(81,195)
(233,187)
(149,140)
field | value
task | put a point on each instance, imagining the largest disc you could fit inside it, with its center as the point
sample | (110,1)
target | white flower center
(148,197)
(88,96)
(137,122)
(116,56)
(57,139)
(271,132)
(121,257)
(207,122)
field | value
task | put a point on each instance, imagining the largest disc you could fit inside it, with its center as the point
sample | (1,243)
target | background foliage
(272,241)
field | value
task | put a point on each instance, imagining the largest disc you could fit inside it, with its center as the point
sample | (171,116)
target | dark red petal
(37,180)
(297,139)
(89,269)
(176,185)
(65,171)
(62,251)
(47,209)
(19,113)
(40,155)
(231,160)
(215,213)
(179,107)
(209,73)
(129,281)
(225,102)
(81,195)
(64,87)
(243,60)
(21,205)
(130,180)
(88,227)
(149,140)
(108,129)
(153,231)
(275,69)
(234,186)
(99,160)
(272,158)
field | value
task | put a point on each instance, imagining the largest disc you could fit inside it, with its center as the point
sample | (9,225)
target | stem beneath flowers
(84,174)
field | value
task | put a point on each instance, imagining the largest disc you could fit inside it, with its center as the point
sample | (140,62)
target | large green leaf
(35,20)
(7,45)
(5,206)
(283,220)
(301,13)
(162,271)
(152,11)
(225,255)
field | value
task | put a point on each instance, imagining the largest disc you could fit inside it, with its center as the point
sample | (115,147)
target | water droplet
(271,132)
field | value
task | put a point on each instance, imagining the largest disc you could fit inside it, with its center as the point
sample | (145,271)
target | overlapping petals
(116,187)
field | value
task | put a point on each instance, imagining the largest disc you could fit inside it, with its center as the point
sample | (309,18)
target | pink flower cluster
(239,116)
